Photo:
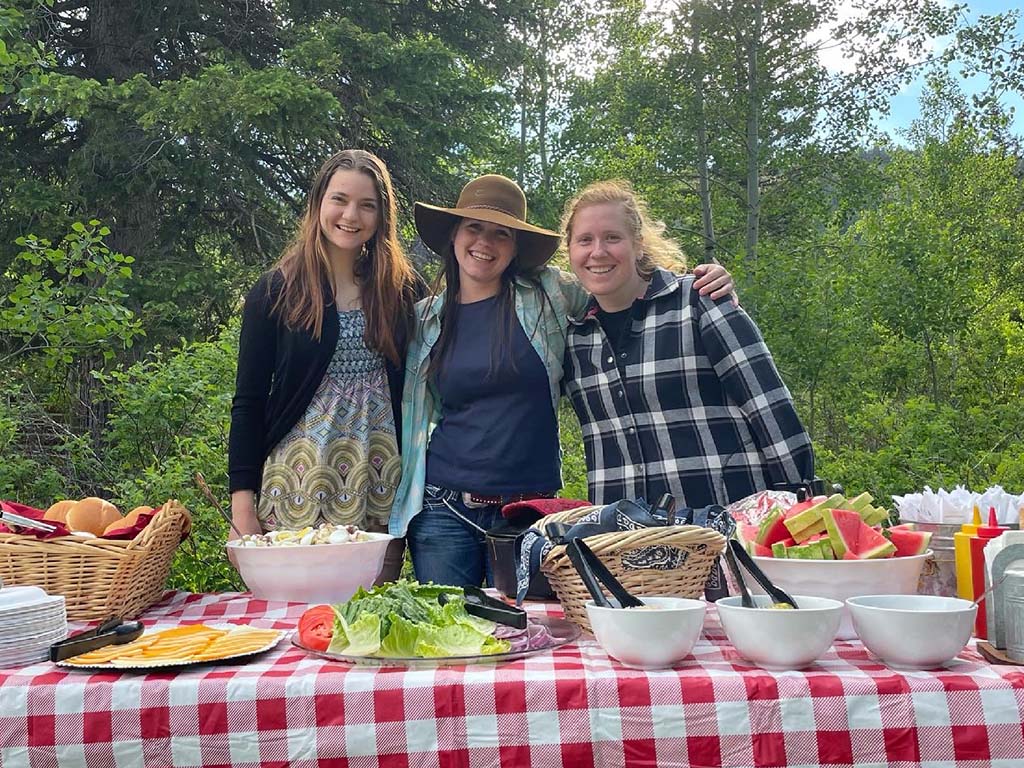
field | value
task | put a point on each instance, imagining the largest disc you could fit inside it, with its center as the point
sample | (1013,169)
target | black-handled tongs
(478,603)
(594,573)
(111,632)
(777,594)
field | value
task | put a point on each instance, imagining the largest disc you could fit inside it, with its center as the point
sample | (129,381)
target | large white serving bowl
(311,573)
(913,631)
(841,579)
(784,638)
(656,637)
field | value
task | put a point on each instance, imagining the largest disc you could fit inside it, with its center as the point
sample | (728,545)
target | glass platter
(563,632)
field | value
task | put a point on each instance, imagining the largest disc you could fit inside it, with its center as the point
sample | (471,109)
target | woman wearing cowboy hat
(483,378)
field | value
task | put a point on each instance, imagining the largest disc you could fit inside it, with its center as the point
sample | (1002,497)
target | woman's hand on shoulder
(713,280)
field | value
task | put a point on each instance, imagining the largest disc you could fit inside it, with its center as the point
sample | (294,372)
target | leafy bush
(169,420)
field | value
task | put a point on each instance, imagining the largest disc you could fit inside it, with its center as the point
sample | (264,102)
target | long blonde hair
(656,249)
(386,278)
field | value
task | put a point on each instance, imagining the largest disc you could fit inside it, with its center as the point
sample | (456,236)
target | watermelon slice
(859,503)
(800,506)
(903,527)
(908,542)
(747,534)
(803,552)
(807,520)
(871,544)
(806,534)
(772,529)
(844,528)
(760,550)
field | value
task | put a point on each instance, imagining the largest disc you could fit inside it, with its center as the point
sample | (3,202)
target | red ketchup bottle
(985,534)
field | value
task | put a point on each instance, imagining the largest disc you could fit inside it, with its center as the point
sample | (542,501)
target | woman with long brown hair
(316,417)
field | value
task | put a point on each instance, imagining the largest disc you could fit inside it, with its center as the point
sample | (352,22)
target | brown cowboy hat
(492,198)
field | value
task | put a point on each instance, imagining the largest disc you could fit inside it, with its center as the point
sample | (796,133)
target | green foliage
(169,420)
(574,462)
(67,301)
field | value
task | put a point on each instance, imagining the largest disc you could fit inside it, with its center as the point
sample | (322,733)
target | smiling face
(349,212)
(483,251)
(603,252)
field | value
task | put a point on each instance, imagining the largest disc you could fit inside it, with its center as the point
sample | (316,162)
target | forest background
(154,160)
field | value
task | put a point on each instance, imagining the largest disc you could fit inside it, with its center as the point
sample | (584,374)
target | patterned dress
(340,462)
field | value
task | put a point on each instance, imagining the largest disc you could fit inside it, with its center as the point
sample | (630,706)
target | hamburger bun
(128,520)
(59,511)
(92,515)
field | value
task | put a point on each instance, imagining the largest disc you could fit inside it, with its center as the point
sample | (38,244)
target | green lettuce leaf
(452,640)
(454,612)
(360,638)
(401,640)
(405,619)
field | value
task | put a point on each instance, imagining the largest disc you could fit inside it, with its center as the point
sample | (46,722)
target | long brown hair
(385,277)
(657,250)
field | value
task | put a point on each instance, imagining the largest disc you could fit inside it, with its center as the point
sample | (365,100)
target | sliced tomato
(316,627)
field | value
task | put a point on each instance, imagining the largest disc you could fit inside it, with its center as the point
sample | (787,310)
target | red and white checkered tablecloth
(572,707)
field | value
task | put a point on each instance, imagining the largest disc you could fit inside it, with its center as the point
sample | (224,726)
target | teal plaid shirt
(544,320)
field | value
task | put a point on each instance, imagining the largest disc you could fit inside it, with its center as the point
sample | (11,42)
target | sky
(904,106)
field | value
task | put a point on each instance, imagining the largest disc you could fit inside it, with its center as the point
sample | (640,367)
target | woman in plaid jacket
(676,392)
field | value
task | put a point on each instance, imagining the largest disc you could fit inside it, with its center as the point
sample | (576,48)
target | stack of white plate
(30,622)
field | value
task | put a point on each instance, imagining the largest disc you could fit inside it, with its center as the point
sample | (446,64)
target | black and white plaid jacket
(701,413)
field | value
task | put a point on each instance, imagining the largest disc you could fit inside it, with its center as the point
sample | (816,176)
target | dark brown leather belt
(480,500)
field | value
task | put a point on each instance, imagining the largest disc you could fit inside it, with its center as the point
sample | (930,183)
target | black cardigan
(279,371)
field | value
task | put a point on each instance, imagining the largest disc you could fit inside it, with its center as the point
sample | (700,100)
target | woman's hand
(243,515)
(714,280)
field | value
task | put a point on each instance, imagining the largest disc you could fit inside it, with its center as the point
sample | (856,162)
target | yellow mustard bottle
(962,556)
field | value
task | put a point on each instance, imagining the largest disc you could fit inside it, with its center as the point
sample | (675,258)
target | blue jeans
(446,549)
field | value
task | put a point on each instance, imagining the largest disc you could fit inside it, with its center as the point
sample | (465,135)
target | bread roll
(128,520)
(59,511)
(92,515)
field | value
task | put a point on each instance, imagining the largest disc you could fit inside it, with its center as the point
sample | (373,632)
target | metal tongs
(19,521)
(777,595)
(113,631)
(594,573)
(478,603)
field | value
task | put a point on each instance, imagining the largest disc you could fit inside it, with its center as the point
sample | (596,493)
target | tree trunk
(703,185)
(542,107)
(523,111)
(753,139)
(933,370)
(118,49)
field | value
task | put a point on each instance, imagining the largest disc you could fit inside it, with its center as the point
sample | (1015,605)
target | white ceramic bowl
(780,639)
(840,579)
(913,631)
(311,573)
(654,638)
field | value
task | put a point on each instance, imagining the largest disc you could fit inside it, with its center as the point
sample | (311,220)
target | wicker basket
(99,578)
(680,570)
